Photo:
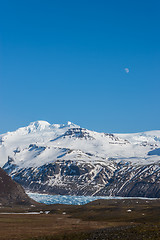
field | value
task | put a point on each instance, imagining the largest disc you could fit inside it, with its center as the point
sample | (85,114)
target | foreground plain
(102,219)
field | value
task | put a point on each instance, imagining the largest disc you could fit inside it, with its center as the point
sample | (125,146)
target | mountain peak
(71,125)
(33,127)
(39,124)
(67,125)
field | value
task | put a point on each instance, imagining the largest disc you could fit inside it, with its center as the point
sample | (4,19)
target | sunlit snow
(41,143)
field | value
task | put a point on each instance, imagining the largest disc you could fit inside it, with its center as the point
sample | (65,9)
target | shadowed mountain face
(11,193)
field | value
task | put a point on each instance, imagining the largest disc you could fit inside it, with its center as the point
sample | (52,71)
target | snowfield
(41,143)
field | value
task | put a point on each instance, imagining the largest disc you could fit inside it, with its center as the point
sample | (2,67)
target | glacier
(71,200)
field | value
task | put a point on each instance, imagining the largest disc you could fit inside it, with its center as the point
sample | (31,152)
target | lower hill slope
(11,193)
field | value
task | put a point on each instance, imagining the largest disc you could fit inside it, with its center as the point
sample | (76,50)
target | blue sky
(65,61)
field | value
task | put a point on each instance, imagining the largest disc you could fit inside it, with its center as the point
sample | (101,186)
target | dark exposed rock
(73,178)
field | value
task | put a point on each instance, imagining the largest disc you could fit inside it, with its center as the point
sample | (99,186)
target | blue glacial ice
(71,200)
(62,199)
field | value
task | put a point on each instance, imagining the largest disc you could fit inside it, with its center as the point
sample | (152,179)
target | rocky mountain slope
(11,193)
(68,159)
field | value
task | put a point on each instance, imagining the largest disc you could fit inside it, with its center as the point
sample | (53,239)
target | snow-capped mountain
(68,159)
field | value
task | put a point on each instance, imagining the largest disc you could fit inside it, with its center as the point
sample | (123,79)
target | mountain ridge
(68,159)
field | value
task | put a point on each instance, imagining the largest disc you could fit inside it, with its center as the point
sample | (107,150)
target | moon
(126,70)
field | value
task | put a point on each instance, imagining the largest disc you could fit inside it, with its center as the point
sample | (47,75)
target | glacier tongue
(71,200)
